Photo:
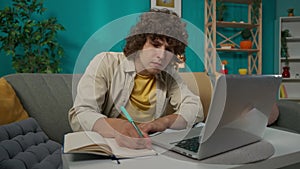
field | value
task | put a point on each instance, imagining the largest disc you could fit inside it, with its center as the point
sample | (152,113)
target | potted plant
(284,53)
(246,43)
(290,12)
(30,40)
(221,8)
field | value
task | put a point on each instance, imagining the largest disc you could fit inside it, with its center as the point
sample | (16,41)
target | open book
(93,143)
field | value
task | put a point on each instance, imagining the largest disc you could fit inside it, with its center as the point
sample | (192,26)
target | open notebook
(238,115)
(89,142)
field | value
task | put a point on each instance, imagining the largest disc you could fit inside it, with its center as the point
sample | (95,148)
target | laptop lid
(238,115)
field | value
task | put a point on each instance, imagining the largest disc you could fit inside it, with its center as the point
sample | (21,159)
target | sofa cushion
(24,145)
(11,109)
(47,98)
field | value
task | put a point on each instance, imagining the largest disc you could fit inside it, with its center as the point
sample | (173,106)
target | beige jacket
(107,84)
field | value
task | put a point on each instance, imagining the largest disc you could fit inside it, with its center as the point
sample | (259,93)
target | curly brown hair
(158,24)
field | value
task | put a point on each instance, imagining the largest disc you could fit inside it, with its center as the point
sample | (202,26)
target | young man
(142,79)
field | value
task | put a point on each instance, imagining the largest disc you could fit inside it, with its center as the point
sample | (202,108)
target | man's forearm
(174,121)
(104,126)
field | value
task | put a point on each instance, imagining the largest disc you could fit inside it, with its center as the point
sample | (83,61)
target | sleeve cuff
(87,120)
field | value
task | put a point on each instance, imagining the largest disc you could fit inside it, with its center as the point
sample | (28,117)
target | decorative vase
(224,70)
(286,72)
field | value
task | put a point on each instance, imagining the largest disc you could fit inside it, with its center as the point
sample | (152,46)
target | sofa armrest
(289,116)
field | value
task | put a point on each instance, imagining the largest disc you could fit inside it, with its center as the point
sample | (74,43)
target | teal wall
(83,18)
(268,38)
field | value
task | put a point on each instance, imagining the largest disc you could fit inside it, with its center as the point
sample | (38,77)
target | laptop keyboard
(191,144)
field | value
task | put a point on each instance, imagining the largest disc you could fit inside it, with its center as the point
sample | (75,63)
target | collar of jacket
(129,67)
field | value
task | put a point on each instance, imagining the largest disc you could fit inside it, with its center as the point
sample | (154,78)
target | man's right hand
(123,131)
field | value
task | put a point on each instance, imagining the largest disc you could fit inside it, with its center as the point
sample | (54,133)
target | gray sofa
(289,116)
(37,142)
(48,97)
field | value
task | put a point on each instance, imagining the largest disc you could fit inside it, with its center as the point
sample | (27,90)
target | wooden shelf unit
(212,27)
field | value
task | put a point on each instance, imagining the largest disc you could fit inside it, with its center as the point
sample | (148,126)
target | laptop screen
(239,111)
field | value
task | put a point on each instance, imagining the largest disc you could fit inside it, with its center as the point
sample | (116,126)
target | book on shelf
(283,93)
(89,142)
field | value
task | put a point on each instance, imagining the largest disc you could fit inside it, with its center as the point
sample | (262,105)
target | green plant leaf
(30,40)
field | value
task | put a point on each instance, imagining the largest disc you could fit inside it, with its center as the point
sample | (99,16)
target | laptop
(238,116)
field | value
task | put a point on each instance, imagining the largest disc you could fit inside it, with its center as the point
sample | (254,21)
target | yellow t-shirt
(142,101)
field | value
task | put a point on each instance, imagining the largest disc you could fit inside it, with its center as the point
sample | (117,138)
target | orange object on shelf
(246,44)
